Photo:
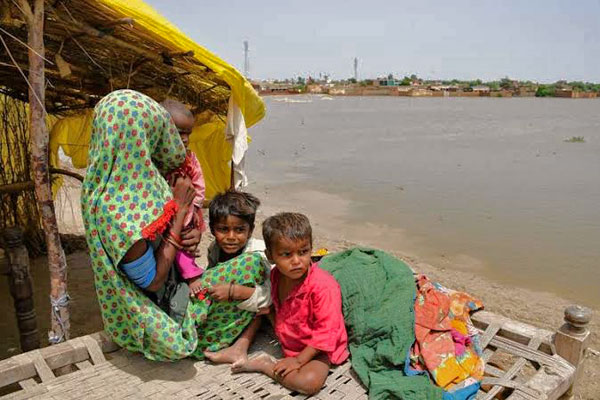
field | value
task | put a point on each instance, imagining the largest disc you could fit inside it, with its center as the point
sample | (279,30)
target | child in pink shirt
(307,302)
(184,120)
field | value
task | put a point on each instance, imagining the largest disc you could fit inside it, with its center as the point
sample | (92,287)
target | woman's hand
(219,292)
(183,192)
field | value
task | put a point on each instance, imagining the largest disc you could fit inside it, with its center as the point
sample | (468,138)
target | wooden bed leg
(21,288)
(573,338)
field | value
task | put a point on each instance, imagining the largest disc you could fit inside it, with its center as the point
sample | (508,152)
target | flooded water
(487,185)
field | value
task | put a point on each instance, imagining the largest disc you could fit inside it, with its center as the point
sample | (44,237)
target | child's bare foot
(195,285)
(261,362)
(235,354)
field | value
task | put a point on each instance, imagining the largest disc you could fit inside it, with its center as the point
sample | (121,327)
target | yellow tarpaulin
(208,141)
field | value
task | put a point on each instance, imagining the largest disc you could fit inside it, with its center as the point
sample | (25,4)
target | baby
(184,121)
(307,304)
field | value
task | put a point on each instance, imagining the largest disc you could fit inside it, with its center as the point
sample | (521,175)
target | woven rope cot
(521,364)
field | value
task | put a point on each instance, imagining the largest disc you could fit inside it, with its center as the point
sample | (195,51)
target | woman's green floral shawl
(125,199)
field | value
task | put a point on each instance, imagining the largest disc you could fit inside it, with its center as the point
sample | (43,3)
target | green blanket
(378,293)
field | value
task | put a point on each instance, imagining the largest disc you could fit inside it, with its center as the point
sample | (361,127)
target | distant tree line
(550,89)
(506,83)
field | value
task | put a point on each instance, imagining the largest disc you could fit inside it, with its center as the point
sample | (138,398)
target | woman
(133,225)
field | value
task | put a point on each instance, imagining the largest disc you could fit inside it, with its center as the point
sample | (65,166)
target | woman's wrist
(173,238)
(179,218)
(241,292)
(182,208)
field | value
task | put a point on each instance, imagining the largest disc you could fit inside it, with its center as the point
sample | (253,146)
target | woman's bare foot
(236,354)
(261,362)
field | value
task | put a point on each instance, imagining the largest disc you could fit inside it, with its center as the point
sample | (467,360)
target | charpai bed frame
(522,363)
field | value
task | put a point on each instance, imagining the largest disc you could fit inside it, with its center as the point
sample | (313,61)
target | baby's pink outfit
(192,169)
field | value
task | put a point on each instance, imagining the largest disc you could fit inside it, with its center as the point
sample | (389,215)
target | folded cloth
(378,293)
(446,344)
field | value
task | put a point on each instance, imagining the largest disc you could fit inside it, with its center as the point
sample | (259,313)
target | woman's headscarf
(124,194)
(125,199)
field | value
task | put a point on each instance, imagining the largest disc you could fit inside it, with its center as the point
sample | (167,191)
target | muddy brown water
(486,185)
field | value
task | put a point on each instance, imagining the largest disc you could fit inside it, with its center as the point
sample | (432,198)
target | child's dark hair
(239,204)
(289,225)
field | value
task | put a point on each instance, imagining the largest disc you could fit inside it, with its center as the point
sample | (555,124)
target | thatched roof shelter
(94,47)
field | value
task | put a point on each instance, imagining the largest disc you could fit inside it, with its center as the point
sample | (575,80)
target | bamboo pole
(59,316)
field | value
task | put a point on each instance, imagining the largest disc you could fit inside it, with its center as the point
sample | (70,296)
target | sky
(540,40)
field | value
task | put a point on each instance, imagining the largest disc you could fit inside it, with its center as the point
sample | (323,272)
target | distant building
(413,91)
(256,86)
(439,88)
(404,91)
(526,91)
(274,88)
(481,89)
(387,82)
(575,94)
(499,93)
(315,88)
(338,91)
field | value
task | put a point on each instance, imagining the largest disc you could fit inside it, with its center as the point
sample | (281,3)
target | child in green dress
(231,220)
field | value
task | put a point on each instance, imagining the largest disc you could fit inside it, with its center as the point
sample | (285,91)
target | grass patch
(575,139)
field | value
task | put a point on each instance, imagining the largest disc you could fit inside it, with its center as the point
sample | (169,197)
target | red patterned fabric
(446,343)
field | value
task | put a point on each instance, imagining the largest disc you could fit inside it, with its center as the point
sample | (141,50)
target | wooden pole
(59,316)
(18,187)
(232,177)
(572,339)
(19,282)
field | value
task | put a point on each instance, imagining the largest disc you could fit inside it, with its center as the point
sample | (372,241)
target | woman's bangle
(172,241)
(175,236)
(230,291)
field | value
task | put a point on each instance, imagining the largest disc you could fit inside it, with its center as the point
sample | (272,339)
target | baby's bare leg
(237,353)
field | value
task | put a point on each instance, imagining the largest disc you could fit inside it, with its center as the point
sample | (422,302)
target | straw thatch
(92,50)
